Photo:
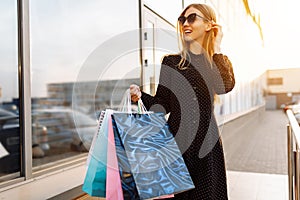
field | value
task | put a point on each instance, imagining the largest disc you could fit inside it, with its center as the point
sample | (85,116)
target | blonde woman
(187,86)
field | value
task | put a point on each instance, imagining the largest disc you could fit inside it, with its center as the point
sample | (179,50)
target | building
(59,43)
(61,94)
(281,86)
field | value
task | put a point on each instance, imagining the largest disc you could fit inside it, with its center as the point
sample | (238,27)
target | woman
(187,86)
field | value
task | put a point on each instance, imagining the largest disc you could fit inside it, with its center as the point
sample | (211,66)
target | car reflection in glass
(9,128)
(67,127)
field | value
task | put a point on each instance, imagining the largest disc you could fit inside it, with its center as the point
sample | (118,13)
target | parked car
(11,107)
(9,122)
(67,126)
(10,139)
(290,106)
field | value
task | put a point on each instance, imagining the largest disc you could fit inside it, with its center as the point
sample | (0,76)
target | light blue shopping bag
(95,179)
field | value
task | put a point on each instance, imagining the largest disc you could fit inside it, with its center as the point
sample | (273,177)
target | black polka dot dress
(188,95)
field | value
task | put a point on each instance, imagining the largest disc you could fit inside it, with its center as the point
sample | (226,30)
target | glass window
(275,81)
(9,92)
(188,2)
(68,37)
(162,8)
(159,38)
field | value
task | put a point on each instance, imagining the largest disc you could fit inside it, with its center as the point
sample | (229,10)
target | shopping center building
(62,62)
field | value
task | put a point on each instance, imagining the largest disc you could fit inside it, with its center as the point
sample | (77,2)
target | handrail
(293,144)
(294,125)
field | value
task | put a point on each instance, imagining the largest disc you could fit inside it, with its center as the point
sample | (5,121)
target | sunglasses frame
(191,18)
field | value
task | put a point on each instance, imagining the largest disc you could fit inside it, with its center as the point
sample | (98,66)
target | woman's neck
(195,47)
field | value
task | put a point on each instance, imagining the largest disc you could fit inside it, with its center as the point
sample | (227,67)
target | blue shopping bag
(128,185)
(153,157)
(95,180)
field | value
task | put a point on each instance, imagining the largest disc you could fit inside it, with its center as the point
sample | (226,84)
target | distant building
(86,95)
(281,86)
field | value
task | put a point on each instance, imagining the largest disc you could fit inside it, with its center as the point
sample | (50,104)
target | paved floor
(255,153)
(257,186)
(258,144)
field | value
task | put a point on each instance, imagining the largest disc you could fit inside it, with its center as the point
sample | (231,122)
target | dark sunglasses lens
(191,18)
(181,19)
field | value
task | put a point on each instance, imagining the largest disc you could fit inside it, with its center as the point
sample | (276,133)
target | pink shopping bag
(113,180)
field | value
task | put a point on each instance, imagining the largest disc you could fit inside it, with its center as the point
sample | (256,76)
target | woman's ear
(208,26)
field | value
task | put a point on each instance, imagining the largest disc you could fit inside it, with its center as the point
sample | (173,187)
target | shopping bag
(95,179)
(113,182)
(128,185)
(99,124)
(154,159)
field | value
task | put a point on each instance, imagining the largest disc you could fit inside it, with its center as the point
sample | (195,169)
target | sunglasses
(191,18)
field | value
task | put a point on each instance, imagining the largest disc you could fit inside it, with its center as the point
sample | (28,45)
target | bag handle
(141,107)
(126,106)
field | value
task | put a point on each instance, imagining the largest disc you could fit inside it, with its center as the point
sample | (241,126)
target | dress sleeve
(224,80)
(161,101)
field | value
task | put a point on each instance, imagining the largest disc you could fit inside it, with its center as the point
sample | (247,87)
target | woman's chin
(188,38)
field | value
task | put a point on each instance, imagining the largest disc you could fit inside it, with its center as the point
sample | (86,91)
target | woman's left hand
(218,33)
(135,92)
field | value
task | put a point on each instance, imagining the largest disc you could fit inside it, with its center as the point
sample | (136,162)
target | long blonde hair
(208,41)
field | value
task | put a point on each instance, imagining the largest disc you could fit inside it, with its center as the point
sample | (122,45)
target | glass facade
(162,8)
(84,55)
(65,36)
(10,134)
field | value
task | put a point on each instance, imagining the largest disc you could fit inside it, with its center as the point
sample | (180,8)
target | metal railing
(293,150)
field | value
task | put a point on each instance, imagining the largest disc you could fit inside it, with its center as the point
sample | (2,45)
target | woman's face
(195,31)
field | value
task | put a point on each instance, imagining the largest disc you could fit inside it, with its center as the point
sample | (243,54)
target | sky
(281,28)
(65,32)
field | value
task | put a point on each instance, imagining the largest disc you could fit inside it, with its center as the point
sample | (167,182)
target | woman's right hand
(218,37)
(135,93)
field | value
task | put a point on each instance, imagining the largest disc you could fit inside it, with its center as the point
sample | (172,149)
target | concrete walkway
(256,156)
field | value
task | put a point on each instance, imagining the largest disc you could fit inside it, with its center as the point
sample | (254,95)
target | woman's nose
(186,23)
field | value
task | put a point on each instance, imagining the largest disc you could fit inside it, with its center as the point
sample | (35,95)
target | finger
(134,99)
(135,96)
(132,87)
(217,29)
(216,25)
(132,91)
(137,90)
